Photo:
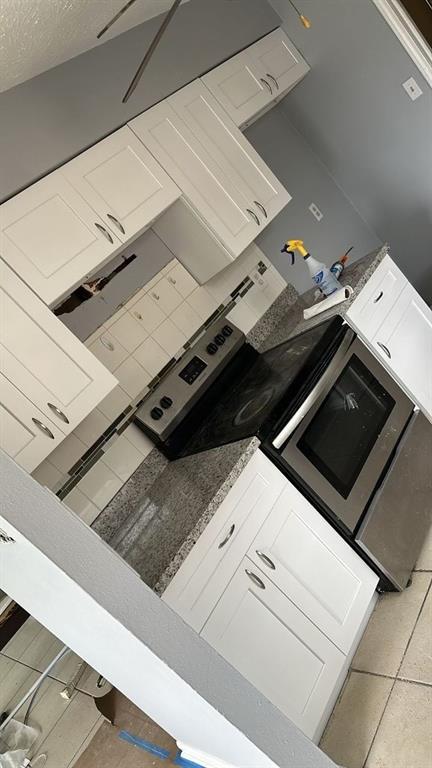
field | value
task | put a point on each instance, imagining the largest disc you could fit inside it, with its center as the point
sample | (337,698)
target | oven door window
(346,426)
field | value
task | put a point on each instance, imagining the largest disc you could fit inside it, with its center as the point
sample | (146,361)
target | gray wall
(352,110)
(308,181)
(49,119)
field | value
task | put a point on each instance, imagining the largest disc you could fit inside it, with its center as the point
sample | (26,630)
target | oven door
(344,434)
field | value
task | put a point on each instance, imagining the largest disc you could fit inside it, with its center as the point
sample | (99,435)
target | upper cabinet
(248,83)
(59,231)
(123,183)
(54,380)
(224,179)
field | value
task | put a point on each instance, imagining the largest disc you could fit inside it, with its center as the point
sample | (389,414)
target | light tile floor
(383,718)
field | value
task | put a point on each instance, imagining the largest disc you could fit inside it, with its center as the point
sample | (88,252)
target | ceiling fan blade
(151,49)
(115,18)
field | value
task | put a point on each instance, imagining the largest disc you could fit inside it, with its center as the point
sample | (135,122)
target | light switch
(412,88)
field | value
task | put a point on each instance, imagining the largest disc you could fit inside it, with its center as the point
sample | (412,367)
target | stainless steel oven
(343,435)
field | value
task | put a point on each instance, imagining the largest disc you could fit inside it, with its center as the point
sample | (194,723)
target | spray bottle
(320,274)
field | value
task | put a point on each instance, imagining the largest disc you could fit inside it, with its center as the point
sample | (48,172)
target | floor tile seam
(390,677)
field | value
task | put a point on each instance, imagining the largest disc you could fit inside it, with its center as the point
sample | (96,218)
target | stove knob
(166,402)
(227,330)
(219,339)
(212,348)
(156,413)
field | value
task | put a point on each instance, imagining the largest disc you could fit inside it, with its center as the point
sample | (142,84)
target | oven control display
(192,370)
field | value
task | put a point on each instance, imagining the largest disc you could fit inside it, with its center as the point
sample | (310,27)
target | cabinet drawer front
(264,636)
(122,181)
(404,344)
(50,236)
(375,301)
(27,442)
(208,187)
(43,358)
(239,88)
(315,568)
(204,575)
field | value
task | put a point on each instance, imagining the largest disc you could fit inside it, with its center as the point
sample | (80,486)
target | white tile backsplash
(135,343)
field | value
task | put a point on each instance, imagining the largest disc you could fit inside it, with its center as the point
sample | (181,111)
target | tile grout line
(395,679)
(390,677)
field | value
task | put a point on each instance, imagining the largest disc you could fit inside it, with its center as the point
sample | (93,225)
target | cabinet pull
(254,216)
(261,207)
(43,428)
(104,232)
(274,80)
(227,537)
(155,296)
(58,412)
(256,579)
(379,297)
(172,280)
(265,558)
(384,349)
(118,224)
(107,344)
(267,85)
(138,315)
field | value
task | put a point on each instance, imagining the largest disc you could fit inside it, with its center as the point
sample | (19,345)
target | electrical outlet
(412,88)
(315,211)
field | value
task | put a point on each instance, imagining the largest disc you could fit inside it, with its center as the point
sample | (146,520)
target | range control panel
(173,398)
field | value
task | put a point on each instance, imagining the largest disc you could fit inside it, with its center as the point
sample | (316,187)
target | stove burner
(253,407)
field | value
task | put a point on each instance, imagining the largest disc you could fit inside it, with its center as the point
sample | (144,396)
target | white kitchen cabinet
(277,648)
(25,433)
(44,360)
(206,572)
(376,299)
(255,78)
(223,178)
(123,183)
(404,344)
(311,564)
(53,239)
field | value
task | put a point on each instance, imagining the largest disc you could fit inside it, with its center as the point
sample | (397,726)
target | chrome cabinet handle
(254,216)
(261,207)
(5,539)
(58,412)
(274,80)
(43,428)
(384,349)
(155,296)
(107,344)
(118,224)
(267,85)
(265,558)
(172,281)
(379,297)
(138,315)
(227,537)
(104,232)
(256,579)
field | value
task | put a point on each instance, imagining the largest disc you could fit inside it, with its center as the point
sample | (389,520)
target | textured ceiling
(36,35)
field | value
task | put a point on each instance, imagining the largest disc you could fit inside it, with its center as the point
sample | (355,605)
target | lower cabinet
(277,648)
(277,592)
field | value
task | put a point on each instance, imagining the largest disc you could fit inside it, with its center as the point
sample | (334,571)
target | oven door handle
(315,393)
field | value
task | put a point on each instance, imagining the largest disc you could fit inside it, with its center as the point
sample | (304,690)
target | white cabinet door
(404,344)
(311,563)
(206,572)
(123,183)
(52,238)
(240,87)
(25,433)
(44,360)
(279,60)
(209,188)
(266,638)
(376,299)
(213,128)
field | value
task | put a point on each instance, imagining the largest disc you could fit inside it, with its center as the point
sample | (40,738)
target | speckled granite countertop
(159,514)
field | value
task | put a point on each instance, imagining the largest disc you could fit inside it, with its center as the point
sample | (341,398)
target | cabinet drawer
(377,298)
(204,575)
(311,564)
(268,639)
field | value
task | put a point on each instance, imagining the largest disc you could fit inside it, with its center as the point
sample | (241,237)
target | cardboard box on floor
(129,740)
